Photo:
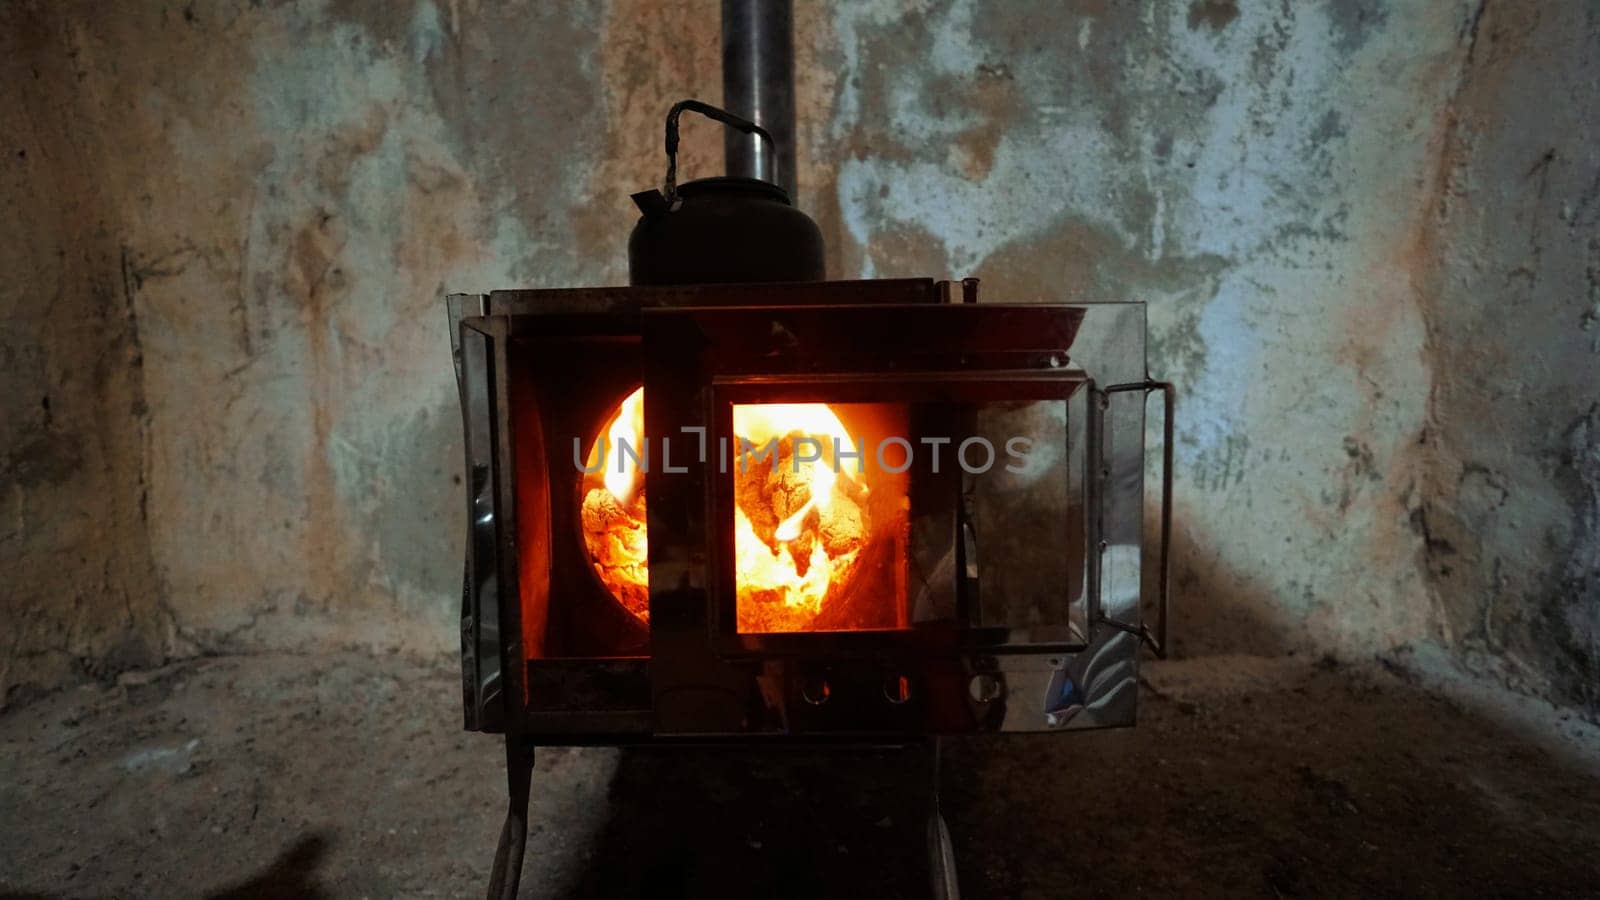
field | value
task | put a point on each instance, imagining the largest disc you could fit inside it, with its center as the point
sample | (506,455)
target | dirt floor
(347,776)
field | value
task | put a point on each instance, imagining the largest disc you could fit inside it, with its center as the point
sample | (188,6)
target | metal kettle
(720,230)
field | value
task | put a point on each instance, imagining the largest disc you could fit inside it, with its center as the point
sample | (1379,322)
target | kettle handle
(670,189)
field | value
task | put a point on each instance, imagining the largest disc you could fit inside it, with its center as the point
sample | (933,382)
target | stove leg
(507,873)
(941,855)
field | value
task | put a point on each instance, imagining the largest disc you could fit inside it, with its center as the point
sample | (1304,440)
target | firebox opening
(567,613)
(820,535)
(820,523)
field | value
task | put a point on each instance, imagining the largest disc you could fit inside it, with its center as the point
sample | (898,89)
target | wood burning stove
(837,511)
(736,504)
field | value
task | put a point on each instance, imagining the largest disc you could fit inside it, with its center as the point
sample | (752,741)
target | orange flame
(797,531)
(622,476)
(799,523)
(614,511)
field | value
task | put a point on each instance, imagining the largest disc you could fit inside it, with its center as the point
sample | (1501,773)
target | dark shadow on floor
(1286,780)
(786,823)
(292,875)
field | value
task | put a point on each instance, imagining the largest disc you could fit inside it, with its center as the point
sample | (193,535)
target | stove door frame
(1064,383)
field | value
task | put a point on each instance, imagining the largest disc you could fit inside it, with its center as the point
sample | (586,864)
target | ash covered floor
(347,776)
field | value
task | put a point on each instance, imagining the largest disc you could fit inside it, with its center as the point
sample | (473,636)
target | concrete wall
(77,592)
(1366,231)
(1509,506)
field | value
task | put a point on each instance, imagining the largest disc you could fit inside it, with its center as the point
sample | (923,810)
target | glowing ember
(614,511)
(799,526)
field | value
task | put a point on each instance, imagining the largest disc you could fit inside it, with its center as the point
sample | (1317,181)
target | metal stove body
(1016,594)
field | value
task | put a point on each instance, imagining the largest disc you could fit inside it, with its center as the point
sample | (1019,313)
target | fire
(614,510)
(799,518)
(624,479)
(799,523)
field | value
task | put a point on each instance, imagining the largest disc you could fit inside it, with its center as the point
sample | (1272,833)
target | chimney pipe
(758,84)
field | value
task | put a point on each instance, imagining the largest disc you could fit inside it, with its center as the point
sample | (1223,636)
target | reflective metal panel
(480,612)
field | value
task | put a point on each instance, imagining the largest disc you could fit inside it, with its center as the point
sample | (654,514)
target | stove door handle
(1157,639)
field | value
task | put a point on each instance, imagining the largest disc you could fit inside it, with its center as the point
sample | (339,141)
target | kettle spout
(650,203)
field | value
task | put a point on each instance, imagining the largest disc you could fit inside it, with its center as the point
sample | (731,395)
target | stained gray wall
(1367,233)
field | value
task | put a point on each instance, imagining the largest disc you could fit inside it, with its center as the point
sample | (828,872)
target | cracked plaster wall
(1366,232)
